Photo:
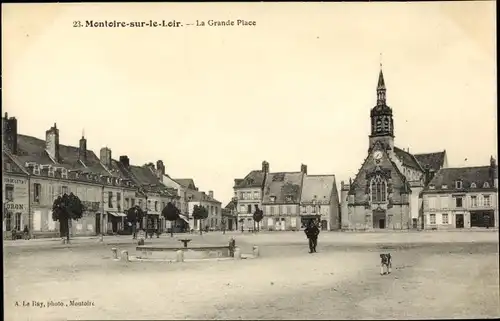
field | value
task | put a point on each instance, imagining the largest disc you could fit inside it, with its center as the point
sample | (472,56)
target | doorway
(459,220)
(324,225)
(379,219)
(97,223)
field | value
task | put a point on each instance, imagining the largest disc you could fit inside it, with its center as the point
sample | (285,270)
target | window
(378,189)
(486,185)
(18,221)
(432,219)
(64,173)
(486,200)
(110,199)
(473,185)
(51,171)
(36,170)
(458,202)
(313,209)
(156,205)
(288,198)
(216,222)
(64,190)
(432,186)
(148,205)
(37,191)
(432,202)
(132,202)
(8,167)
(242,195)
(304,209)
(444,201)
(444,186)
(458,184)
(8,221)
(243,209)
(9,192)
(127,205)
(272,199)
(271,210)
(249,208)
(445,219)
(211,210)
(256,195)
(249,195)
(289,209)
(473,201)
(216,211)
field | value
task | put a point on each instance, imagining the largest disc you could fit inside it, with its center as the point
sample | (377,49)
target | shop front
(15,205)
(116,223)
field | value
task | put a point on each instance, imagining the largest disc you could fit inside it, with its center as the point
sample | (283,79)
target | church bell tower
(382,125)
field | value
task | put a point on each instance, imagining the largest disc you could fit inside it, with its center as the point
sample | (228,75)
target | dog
(385,263)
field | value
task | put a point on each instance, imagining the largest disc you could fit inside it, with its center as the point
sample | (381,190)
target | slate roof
(145,178)
(253,179)
(231,205)
(318,188)
(186,182)
(468,175)
(408,159)
(281,185)
(202,197)
(434,161)
(18,167)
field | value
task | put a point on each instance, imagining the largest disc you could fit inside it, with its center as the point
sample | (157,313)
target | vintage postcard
(250,161)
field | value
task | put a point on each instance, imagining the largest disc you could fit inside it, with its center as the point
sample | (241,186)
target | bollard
(125,256)
(101,238)
(237,253)
(63,241)
(180,256)
(256,251)
(141,242)
(115,253)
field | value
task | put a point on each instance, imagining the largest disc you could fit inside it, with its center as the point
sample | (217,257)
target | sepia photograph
(253,160)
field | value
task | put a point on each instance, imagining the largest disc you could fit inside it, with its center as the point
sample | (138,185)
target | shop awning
(184,218)
(117,214)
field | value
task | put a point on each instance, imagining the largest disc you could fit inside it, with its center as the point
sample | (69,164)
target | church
(385,193)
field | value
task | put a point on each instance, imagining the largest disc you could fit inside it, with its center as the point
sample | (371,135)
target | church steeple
(381,88)
(382,125)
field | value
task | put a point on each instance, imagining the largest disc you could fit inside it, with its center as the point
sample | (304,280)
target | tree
(258,215)
(171,213)
(66,208)
(135,214)
(200,213)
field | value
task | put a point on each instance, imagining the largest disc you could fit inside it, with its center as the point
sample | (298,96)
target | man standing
(312,232)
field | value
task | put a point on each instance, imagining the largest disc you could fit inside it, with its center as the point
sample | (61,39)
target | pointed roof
(381,82)
(317,188)
(433,161)
(282,185)
(467,175)
(254,179)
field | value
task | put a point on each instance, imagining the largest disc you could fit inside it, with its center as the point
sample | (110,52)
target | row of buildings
(393,189)
(37,171)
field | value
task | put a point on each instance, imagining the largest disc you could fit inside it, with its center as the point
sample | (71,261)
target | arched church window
(378,189)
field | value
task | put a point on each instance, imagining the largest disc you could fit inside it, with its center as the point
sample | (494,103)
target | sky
(296,88)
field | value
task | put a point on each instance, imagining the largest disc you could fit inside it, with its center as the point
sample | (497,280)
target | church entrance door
(379,219)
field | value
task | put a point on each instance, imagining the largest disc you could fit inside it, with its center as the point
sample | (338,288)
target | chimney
(494,171)
(265,167)
(211,194)
(125,161)
(52,142)
(82,151)
(160,169)
(9,133)
(303,169)
(105,157)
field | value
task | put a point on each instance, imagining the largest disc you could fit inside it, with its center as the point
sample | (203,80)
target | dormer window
(444,186)
(89,176)
(473,185)
(36,169)
(77,174)
(109,180)
(288,198)
(458,184)
(272,199)
(432,186)
(51,171)
(486,185)
(64,173)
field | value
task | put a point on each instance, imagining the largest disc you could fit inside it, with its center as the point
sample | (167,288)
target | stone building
(281,200)
(385,191)
(248,195)
(464,197)
(230,215)
(320,200)
(55,169)
(213,206)
(15,196)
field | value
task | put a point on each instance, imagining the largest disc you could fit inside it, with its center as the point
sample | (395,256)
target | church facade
(385,193)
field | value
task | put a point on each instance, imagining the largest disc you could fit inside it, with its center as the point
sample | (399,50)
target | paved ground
(435,275)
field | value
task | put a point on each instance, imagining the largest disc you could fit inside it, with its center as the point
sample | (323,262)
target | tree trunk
(172,228)
(199,225)
(134,227)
